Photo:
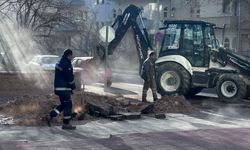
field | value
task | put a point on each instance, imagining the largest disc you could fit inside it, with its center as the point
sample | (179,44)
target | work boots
(144,96)
(155,97)
(68,127)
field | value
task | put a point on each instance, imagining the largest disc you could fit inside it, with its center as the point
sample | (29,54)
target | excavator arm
(123,23)
(225,57)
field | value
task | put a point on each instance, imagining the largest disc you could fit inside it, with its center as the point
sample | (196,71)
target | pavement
(221,127)
(191,140)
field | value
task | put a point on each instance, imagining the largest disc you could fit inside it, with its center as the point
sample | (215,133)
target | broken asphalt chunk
(117,117)
(160,116)
(97,107)
(130,115)
(147,108)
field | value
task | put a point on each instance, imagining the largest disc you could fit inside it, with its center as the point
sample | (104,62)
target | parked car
(88,71)
(44,62)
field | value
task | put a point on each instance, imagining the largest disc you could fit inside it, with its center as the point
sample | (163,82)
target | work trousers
(146,86)
(66,107)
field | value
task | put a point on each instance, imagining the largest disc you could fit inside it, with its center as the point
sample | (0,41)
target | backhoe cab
(190,60)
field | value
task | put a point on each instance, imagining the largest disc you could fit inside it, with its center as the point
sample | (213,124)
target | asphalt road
(222,139)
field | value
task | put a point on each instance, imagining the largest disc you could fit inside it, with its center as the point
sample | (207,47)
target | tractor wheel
(231,88)
(194,91)
(172,78)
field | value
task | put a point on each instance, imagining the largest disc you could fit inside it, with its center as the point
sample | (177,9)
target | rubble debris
(99,107)
(117,117)
(124,102)
(95,113)
(160,116)
(131,116)
(147,108)
(30,109)
(81,116)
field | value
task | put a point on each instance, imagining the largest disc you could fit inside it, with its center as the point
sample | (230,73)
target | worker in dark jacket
(64,85)
(148,75)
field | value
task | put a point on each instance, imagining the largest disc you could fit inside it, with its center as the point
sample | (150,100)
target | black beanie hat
(67,52)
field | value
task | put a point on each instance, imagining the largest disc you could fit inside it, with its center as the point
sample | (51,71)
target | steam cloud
(17,47)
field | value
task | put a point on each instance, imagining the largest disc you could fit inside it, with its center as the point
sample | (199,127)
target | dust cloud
(124,63)
(124,60)
(17,47)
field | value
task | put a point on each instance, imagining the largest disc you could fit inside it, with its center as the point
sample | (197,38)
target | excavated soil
(173,104)
(23,102)
(30,110)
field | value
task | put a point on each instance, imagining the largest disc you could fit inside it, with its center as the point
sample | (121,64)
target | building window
(102,1)
(165,12)
(226,6)
(114,13)
(226,43)
(198,13)
(173,12)
(97,2)
(230,7)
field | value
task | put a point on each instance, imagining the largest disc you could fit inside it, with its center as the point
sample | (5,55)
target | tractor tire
(194,91)
(231,88)
(172,78)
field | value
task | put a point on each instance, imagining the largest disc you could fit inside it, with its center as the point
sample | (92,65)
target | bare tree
(44,17)
(34,14)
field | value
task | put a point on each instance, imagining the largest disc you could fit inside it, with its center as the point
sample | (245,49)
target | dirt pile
(30,110)
(173,104)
